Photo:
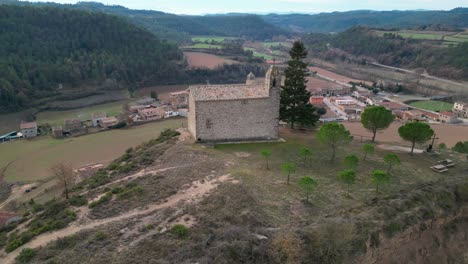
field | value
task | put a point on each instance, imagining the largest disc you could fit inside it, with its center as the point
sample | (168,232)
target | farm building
(108,122)
(96,118)
(316,100)
(448,117)
(236,112)
(57,131)
(28,129)
(149,114)
(71,125)
(461,109)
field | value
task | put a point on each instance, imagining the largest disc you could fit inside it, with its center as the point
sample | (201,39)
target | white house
(169,111)
(28,129)
(460,109)
(97,118)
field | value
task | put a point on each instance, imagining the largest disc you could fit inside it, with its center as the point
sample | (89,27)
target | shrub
(461,147)
(120,125)
(100,235)
(164,136)
(25,256)
(103,199)
(129,192)
(14,244)
(117,190)
(180,230)
(392,228)
(128,167)
(100,178)
(78,201)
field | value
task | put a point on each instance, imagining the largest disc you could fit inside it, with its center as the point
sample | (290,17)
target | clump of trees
(461,147)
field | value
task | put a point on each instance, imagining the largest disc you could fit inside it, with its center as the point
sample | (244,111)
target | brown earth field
(204,60)
(448,134)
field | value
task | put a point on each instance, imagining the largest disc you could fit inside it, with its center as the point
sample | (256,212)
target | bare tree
(64,175)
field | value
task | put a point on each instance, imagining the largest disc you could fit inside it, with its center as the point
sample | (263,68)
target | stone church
(239,112)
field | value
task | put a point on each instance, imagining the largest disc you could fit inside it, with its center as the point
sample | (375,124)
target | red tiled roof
(445,113)
(28,125)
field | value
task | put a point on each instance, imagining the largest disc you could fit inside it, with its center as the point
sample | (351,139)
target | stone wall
(238,120)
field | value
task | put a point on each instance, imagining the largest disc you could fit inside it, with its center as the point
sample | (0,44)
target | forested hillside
(340,21)
(179,28)
(42,49)
(450,62)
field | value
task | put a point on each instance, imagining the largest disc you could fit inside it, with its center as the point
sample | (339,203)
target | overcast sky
(263,6)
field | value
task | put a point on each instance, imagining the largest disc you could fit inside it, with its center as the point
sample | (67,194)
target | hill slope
(340,21)
(41,48)
(179,28)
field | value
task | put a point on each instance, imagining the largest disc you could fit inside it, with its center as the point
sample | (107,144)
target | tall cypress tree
(294,105)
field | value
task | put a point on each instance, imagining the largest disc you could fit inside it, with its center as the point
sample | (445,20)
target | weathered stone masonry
(220,113)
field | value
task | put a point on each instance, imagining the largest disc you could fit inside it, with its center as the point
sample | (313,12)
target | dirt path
(198,188)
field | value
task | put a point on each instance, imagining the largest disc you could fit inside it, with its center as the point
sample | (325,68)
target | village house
(149,114)
(461,109)
(57,131)
(448,117)
(180,99)
(108,122)
(96,118)
(393,106)
(410,115)
(431,116)
(135,108)
(71,125)
(28,129)
(239,112)
(316,100)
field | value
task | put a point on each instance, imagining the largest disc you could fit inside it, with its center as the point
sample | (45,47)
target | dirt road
(197,190)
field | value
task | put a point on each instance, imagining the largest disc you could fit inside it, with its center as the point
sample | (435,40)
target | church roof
(228,92)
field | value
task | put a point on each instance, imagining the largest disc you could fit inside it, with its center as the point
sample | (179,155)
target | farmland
(430,105)
(31,159)
(57,117)
(210,38)
(204,60)
(444,37)
(203,46)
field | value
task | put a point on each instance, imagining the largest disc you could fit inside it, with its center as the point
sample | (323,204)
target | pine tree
(294,106)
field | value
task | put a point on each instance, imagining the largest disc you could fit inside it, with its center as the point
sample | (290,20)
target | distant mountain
(340,21)
(179,28)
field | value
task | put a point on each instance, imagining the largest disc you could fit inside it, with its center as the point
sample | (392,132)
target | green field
(204,46)
(58,117)
(31,159)
(210,39)
(433,105)
(262,55)
(276,44)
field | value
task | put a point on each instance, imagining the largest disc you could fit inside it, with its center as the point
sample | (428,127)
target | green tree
(351,162)
(266,155)
(26,255)
(461,147)
(415,132)
(288,168)
(154,95)
(368,149)
(379,177)
(391,160)
(334,135)
(348,177)
(442,147)
(308,184)
(294,103)
(376,118)
(306,154)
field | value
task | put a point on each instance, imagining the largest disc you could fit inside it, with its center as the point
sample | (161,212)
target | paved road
(335,109)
